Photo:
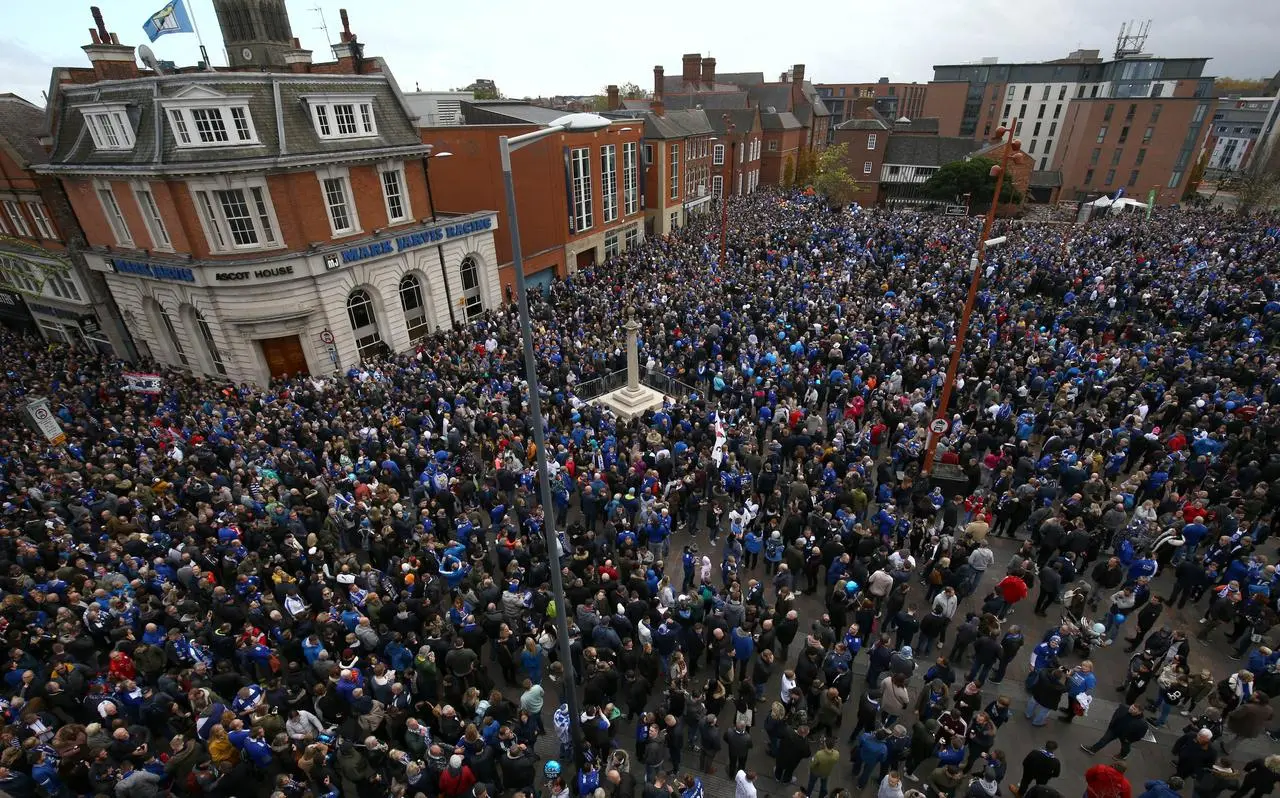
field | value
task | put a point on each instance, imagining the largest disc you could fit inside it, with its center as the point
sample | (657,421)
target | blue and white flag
(173,18)
(1119,193)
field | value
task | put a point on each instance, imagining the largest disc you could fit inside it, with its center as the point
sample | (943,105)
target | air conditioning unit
(702,189)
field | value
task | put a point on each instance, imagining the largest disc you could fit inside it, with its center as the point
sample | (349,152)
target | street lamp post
(725,181)
(574,123)
(975,264)
(444,273)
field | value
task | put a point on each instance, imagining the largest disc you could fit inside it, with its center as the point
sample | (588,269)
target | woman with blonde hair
(221,751)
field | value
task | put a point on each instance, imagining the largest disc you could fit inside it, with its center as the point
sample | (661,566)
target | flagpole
(204,54)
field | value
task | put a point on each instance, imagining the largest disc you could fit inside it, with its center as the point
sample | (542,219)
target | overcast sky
(578,46)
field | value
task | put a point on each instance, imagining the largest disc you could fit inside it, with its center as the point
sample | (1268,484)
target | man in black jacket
(1039,767)
(738,743)
(1127,725)
(1050,587)
(1147,618)
(1188,577)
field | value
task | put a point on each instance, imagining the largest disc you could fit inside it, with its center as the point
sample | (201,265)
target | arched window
(471,287)
(210,347)
(164,331)
(415,309)
(364,324)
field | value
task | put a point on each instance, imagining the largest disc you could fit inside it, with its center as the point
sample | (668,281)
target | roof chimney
(298,59)
(111,60)
(797,86)
(692,69)
(614,103)
(655,104)
(709,73)
(348,51)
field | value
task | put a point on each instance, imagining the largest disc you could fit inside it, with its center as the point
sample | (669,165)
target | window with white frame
(4,226)
(40,215)
(871,141)
(609,182)
(717,185)
(630,181)
(16,219)
(580,159)
(364,324)
(393,192)
(21,275)
(342,116)
(62,285)
(335,184)
(415,309)
(773,146)
(717,155)
(648,154)
(611,244)
(109,126)
(237,216)
(115,218)
(632,237)
(174,341)
(152,218)
(738,185)
(675,171)
(866,167)
(210,346)
(207,125)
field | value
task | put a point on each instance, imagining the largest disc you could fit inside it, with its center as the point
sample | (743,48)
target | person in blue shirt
(1080,681)
(752,544)
(773,548)
(744,645)
(872,750)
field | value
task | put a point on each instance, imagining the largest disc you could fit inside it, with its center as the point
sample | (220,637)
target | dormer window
(202,117)
(342,116)
(213,126)
(109,125)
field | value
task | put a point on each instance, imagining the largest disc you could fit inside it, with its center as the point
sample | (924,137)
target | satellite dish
(149,59)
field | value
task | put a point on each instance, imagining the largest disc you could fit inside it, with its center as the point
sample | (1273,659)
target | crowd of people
(340,586)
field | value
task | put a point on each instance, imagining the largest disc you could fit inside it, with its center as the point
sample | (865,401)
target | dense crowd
(304,590)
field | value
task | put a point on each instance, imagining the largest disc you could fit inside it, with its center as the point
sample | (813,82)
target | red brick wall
(944,101)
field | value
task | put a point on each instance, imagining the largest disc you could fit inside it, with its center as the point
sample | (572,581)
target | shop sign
(256,274)
(155,271)
(422,238)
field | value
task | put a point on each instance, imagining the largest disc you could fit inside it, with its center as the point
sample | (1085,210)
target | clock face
(247,54)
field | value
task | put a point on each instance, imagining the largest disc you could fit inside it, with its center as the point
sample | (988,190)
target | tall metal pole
(540,441)
(444,273)
(963,330)
(725,181)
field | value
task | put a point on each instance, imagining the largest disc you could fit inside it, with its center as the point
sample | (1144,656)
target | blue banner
(173,18)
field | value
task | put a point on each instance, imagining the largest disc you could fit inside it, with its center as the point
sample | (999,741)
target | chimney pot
(709,73)
(656,105)
(115,39)
(692,68)
(93,35)
(614,102)
(102,25)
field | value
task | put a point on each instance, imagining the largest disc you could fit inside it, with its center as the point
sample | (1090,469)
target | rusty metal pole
(963,330)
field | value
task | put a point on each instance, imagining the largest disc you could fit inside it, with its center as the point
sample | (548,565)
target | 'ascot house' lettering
(422,238)
(154,270)
(276,271)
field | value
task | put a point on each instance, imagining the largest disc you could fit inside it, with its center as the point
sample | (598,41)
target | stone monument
(634,399)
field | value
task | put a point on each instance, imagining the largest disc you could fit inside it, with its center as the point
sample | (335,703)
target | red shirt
(1104,781)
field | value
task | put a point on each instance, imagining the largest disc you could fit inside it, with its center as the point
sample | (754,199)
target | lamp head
(581,122)
(444,154)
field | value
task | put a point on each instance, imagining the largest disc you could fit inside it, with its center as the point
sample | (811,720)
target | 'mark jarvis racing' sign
(422,238)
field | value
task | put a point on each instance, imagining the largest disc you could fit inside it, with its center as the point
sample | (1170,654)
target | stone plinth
(627,403)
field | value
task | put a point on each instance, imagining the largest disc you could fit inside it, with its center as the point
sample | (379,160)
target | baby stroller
(1088,633)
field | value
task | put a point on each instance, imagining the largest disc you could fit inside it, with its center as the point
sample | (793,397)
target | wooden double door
(284,356)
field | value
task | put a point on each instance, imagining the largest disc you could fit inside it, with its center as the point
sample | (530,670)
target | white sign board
(141,382)
(44,419)
(938,426)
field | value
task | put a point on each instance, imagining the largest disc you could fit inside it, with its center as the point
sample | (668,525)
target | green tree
(789,172)
(806,166)
(973,177)
(1258,185)
(631,91)
(832,179)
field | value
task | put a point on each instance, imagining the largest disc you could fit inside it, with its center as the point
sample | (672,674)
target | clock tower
(256,33)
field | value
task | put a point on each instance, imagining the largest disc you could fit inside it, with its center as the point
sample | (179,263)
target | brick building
(709,148)
(1061,106)
(1237,132)
(793,117)
(263,219)
(942,101)
(45,284)
(580,196)
(1138,143)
